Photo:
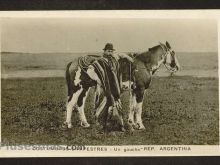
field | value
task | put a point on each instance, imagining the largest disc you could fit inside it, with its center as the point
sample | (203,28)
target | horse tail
(68,80)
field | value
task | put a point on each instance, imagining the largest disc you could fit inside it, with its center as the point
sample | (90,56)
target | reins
(130,90)
(165,56)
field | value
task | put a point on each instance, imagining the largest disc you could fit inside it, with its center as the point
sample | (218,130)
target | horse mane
(143,56)
(153,49)
(146,56)
(150,50)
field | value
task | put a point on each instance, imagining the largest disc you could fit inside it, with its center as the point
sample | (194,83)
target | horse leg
(74,90)
(70,105)
(104,107)
(81,105)
(139,99)
(99,105)
(139,123)
(121,122)
(97,97)
(132,110)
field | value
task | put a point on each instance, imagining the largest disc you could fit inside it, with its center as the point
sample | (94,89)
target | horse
(144,66)
(138,75)
(81,75)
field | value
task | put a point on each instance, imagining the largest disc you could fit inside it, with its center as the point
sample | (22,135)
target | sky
(38,35)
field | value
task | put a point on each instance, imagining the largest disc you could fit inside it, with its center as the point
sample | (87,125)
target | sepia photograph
(96,81)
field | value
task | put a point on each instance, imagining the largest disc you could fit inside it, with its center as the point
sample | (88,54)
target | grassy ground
(176,110)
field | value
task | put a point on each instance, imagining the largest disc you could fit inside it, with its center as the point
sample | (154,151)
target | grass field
(176,110)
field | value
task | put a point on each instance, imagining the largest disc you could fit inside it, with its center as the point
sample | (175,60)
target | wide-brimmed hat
(109,46)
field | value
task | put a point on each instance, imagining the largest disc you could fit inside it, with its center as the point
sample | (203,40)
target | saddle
(87,60)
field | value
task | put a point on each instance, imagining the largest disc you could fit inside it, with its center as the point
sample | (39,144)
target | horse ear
(168,45)
(162,45)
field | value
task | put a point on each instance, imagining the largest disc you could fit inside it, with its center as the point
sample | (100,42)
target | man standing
(109,53)
(113,58)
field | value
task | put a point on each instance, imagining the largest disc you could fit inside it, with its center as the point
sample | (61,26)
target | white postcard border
(195,150)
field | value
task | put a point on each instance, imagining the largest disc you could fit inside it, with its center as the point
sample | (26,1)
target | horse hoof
(85,125)
(131,123)
(66,126)
(134,126)
(69,126)
(139,126)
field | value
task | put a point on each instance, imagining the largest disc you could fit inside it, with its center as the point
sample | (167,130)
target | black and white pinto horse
(136,76)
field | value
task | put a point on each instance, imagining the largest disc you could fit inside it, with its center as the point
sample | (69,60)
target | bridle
(164,56)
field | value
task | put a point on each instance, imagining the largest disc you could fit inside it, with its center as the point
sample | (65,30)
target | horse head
(169,58)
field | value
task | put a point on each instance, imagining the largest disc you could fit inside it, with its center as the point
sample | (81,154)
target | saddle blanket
(108,75)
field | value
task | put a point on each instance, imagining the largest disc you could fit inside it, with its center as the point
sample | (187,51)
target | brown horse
(137,75)
(144,66)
